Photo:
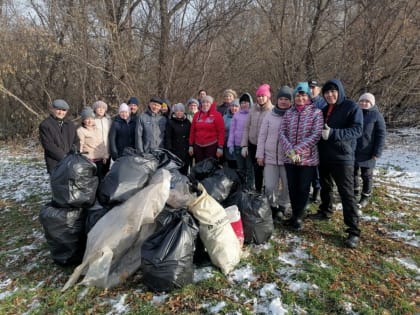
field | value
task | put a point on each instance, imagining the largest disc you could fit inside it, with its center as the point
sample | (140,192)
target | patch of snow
(204,273)
(243,274)
(32,307)
(217,308)
(270,290)
(348,308)
(6,294)
(276,307)
(159,299)
(408,263)
(5,283)
(369,218)
(409,236)
(295,257)
(119,307)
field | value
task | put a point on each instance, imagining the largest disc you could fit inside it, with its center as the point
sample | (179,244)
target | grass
(369,278)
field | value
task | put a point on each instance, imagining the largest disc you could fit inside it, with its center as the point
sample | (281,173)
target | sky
(400,164)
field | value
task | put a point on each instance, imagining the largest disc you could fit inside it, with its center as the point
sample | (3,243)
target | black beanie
(244,97)
(285,91)
(329,87)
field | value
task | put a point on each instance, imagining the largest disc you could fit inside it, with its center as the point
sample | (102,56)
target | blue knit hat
(302,87)
(133,100)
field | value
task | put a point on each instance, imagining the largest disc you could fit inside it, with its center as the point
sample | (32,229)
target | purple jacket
(301,132)
(236,129)
(268,147)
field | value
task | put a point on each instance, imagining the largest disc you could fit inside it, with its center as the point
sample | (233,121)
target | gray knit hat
(207,98)
(87,112)
(98,104)
(367,97)
(178,107)
(285,91)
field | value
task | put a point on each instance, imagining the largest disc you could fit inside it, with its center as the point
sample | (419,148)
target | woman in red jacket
(207,134)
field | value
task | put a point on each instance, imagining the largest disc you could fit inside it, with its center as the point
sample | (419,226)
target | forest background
(82,51)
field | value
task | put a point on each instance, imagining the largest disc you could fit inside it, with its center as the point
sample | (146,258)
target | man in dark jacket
(57,135)
(369,146)
(343,125)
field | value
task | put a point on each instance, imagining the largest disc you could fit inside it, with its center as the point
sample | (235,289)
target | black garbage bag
(220,184)
(167,159)
(65,233)
(128,175)
(256,215)
(167,255)
(74,182)
(204,169)
(93,214)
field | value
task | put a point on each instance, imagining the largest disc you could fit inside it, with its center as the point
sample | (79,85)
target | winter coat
(372,141)
(268,147)
(301,131)
(227,118)
(104,125)
(236,129)
(57,137)
(319,102)
(346,123)
(207,128)
(177,136)
(150,131)
(223,108)
(92,144)
(121,136)
(253,123)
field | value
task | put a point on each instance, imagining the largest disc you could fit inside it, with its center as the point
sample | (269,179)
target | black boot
(364,200)
(314,196)
(352,241)
(277,213)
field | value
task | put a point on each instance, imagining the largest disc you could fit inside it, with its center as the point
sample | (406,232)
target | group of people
(311,136)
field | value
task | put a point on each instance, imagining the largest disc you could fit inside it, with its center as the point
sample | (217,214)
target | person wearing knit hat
(252,129)
(228,96)
(103,123)
(57,134)
(192,108)
(343,125)
(91,142)
(236,131)
(133,103)
(300,132)
(150,127)
(228,156)
(121,134)
(207,134)
(369,147)
(176,136)
(270,155)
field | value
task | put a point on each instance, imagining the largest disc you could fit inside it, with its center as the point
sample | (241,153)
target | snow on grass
(409,263)
(204,273)
(409,236)
(270,290)
(119,306)
(243,274)
(159,299)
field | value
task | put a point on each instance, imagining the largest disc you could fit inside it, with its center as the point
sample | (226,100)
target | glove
(231,150)
(297,159)
(326,132)
(244,152)
(191,150)
(219,152)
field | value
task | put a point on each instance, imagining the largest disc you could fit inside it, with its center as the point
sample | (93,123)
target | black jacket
(346,123)
(57,138)
(177,135)
(121,136)
(372,141)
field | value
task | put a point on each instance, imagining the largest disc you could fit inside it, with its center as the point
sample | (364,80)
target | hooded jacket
(57,141)
(253,123)
(372,141)
(207,128)
(150,131)
(346,123)
(237,125)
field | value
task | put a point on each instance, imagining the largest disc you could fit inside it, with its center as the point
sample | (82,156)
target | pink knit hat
(264,89)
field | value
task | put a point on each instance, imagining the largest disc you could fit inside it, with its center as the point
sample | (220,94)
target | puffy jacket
(104,125)
(207,128)
(372,141)
(92,143)
(150,131)
(253,123)
(268,147)
(177,136)
(236,129)
(57,138)
(346,123)
(301,131)
(121,136)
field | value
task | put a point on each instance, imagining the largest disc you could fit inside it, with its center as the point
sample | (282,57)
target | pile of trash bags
(147,217)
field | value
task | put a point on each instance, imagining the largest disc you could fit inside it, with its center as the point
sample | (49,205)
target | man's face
(59,113)
(155,107)
(202,94)
(331,97)
(315,90)
(133,108)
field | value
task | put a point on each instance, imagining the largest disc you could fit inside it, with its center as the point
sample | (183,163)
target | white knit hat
(124,108)
(367,97)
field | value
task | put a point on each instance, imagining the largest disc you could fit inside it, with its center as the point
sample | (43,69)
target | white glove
(244,152)
(191,150)
(326,132)
(297,159)
(231,150)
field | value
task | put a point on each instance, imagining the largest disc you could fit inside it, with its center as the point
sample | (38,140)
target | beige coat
(253,123)
(92,144)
